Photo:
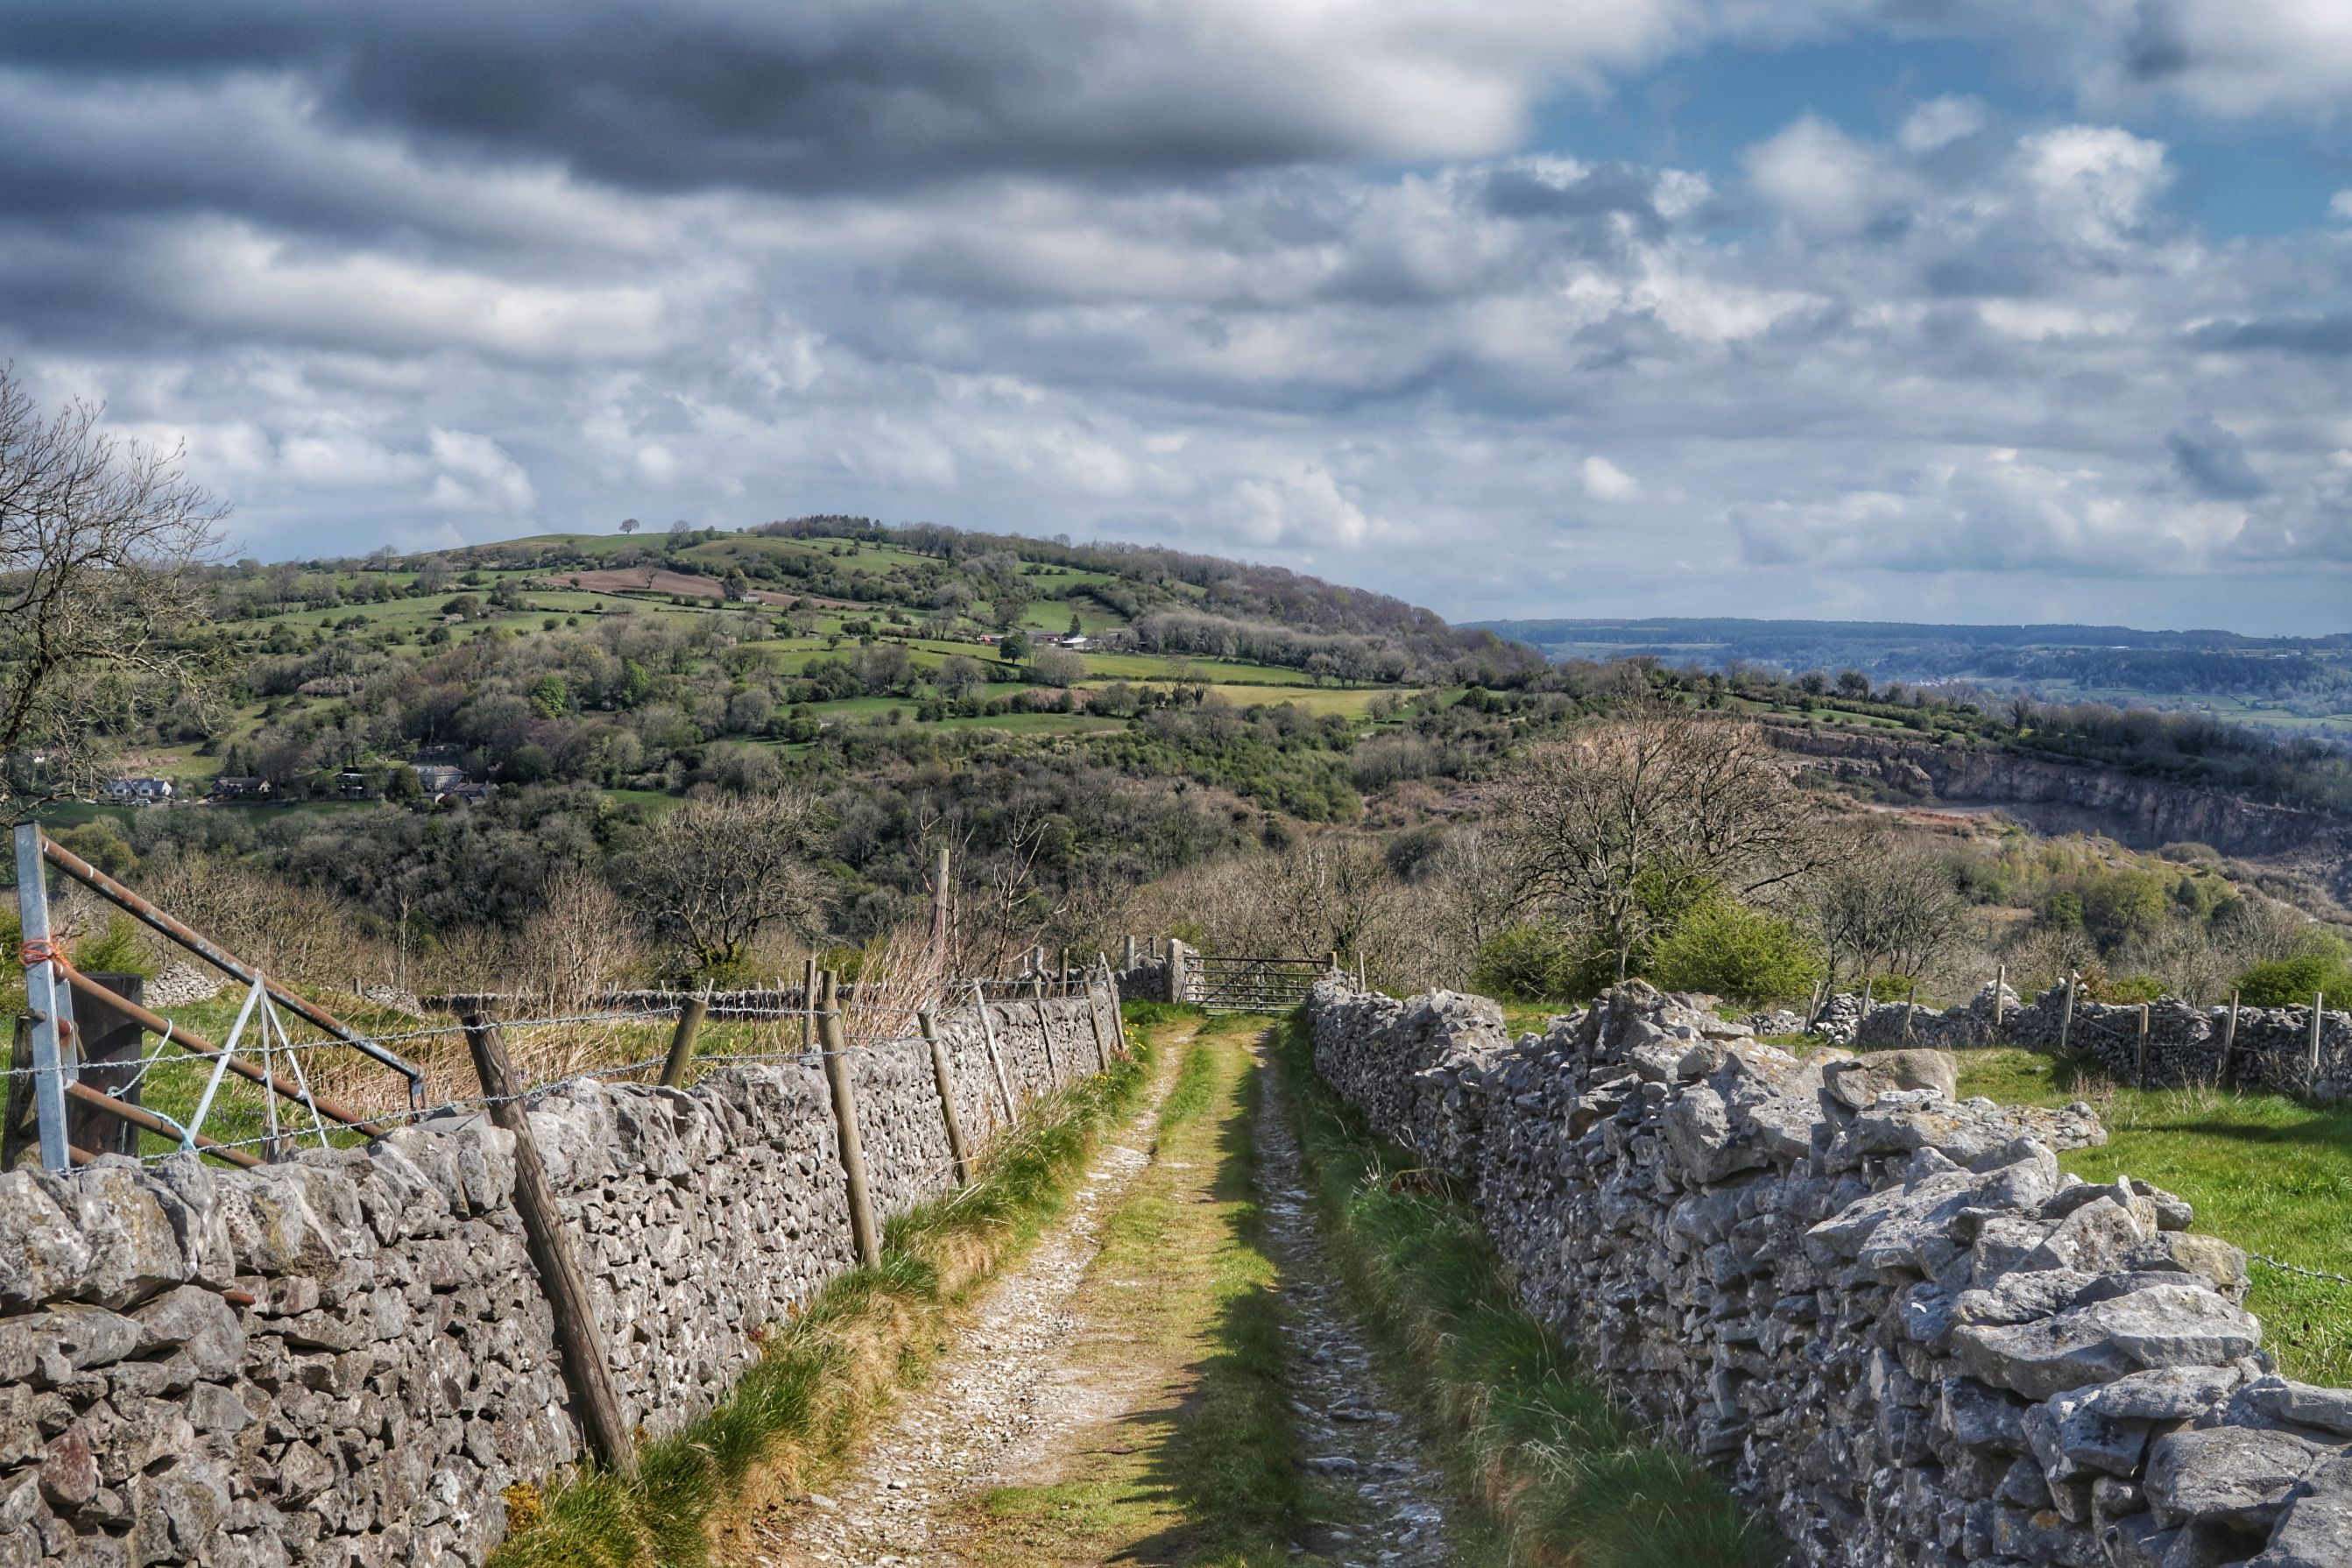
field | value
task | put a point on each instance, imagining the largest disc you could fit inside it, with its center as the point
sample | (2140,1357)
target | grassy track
(826,1376)
(2266,1172)
(1564,1476)
(1184,1323)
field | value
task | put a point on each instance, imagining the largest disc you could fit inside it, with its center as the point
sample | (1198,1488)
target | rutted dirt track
(1052,1398)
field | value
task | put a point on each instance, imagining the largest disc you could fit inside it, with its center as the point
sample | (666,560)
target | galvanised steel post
(45,998)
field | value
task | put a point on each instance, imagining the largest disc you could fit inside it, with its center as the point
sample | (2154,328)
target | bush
(2124,990)
(2289,982)
(1726,948)
(1532,963)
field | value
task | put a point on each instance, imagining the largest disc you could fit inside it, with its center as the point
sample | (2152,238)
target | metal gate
(1224,984)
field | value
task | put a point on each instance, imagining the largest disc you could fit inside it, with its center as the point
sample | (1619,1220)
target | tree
(1014,648)
(629,525)
(1007,609)
(680,526)
(1057,667)
(1625,827)
(718,871)
(960,675)
(1889,907)
(100,540)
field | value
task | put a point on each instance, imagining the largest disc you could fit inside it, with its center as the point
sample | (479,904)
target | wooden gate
(1227,985)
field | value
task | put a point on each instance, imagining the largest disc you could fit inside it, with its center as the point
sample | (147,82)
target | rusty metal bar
(114,892)
(139,1116)
(196,1045)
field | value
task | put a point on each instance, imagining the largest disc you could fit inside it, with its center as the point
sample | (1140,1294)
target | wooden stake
(2000,998)
(943,1074)
(19,1128)
(1910,1010)
(843,1091)
(808,1005)
(587,1367)
(2230,1045)
(681,1040)
(988,1038)
(2140,1054)
(1094,1017)
(2066,1019)
(940,902)
(1045,1031)
(2318,1003)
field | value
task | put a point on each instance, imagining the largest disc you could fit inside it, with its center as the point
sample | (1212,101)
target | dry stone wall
(2271,1048)
(1883,1311)
(345,1360)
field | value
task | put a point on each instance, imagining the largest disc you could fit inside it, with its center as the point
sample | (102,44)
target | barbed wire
(2284,1267)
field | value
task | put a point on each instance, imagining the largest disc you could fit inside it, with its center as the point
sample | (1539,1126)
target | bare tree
(581,939)
(1623,825)
(1889,907)
(98,543)
(716,872)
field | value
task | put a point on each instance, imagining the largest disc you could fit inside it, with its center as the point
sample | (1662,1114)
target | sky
(1909,309)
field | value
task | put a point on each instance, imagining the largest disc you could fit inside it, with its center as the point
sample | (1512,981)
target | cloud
(1822,179)
(1604,480)
(476,475)
(2213,462)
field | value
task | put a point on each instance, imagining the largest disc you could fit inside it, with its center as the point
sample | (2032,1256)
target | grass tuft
(1565,1475)
(824,1377)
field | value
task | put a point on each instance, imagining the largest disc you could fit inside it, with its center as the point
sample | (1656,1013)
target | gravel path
(1365,1453)
(1008,1395)
(999,1392)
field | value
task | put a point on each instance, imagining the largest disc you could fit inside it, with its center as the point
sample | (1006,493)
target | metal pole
(46,1000)
(122,898)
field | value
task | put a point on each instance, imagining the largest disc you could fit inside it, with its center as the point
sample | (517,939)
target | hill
(2302,684)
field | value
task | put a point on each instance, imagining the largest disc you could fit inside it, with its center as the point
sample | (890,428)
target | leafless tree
(581,940)
(716,872)
(1889,906)
(1638,817)
(100,539)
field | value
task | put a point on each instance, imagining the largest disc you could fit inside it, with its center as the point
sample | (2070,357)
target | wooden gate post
(843,1092)
(2140,1054)
(587,1367)
(2000,998)
(1117,1018)
(2230,1045)
(2318,1005)
(944,1075)
(18,1129)
(996,1061)
(2066,1019)
(681,1041)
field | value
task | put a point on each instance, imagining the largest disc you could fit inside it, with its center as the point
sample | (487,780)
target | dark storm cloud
(749,93)
(2213,461)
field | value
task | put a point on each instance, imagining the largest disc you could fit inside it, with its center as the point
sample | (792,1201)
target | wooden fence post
(681,1040)
(995,1062)
(1045,1031)
(1910,1010)
(19,1129)
(587,1368)
(2000,998)
(808,1005)
(1094,1017)
(2140,1054)
(2318,1003)
(1130,955)
(843,1091)
(944,1075)
(1117,1018)
(2230,1045)
(2066,1019)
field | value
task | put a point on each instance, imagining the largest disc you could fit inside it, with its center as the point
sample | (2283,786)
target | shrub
(1534,963)
(2289,982)
(1726,948)
(2125,990)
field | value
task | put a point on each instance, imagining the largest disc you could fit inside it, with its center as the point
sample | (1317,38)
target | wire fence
(197,1105)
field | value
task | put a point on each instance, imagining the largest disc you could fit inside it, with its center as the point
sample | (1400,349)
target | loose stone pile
(345,1359)
(1883,1309)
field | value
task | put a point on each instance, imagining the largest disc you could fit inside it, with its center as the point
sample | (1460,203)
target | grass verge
(1565,1476)
(1195,1459)
(2266,1172)
(824,1377)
